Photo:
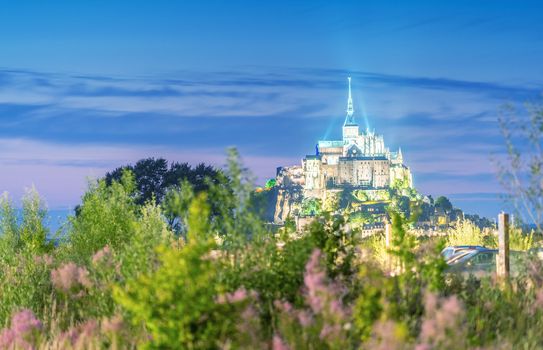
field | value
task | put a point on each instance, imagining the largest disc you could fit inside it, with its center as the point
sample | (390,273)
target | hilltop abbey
(359,160)
(359,163)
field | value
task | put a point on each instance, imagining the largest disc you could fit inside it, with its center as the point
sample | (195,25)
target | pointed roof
(349,119)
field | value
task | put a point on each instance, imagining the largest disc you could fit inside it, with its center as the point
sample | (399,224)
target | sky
(87,86)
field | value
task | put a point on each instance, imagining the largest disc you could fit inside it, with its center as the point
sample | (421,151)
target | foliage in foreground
(121,279)
(466,232)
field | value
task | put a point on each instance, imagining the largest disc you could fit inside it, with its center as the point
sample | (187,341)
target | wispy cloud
(70,126)
(230,94)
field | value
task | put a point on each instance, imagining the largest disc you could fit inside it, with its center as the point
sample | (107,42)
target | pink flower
(235,297)
(304,318)
(451,306)
(323,295)
(249,313)
(385,337)
(103,255)
(7,338)
(336,308)
(284,306)
(43,259)
(24,321)
(69,337)
(329,331)
(238,295)
(278,343)
(441,317)
(80,335)
(314,280)
(69,276)
(539,299)
(21,334)
(430,302)
(113,325)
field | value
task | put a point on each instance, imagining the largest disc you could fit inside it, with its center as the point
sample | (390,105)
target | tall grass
(465,232)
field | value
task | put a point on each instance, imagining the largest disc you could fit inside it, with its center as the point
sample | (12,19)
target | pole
(502,262)
(388,234)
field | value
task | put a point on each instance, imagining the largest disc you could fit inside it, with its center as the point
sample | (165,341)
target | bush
(178,302)
(465,232)
(25,262)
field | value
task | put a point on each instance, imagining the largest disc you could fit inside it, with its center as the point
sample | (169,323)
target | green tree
(155,180)
(270,183)
(444,203)
(311,206)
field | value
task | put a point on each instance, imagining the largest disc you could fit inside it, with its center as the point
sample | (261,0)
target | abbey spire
(349,120)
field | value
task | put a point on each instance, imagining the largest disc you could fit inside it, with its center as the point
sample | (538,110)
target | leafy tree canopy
(443,203)
(172,186)
(270,183)
(153,177)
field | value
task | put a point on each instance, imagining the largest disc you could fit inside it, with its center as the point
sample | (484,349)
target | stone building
(359,160)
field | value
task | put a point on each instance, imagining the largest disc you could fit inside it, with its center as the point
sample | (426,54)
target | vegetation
(155,180)
(521,172)
(122,278)
(311,206)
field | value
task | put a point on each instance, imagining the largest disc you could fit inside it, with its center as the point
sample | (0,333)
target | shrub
(177,303)
(25,262)
(105,217)
(324,322)
(465,232)
(519,240)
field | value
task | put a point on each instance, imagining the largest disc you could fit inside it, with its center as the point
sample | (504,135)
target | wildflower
(304,318)
(441,317)
(89,327)
(534,269)
(25,321)
(387,335)
(249,313)
(314,281)
(423,347)
(103,255)
(79,337)
(235,297)
(539,299)
(113,324)
(284,306)
(22,332)
(45,259)
(329,331)
(69,337)
(69,276)
(250,329)
(322,295)
(7,338)
(278,343)
(336,308)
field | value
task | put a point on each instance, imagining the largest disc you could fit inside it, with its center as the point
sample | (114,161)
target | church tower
(350,127)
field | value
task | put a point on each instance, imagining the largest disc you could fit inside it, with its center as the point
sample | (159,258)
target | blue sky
(86,86)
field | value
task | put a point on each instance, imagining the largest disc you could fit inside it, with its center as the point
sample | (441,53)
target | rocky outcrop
(289,199)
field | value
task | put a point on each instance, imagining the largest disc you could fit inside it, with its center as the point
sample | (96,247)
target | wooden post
(502,260)
(388,241)
(388,234)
